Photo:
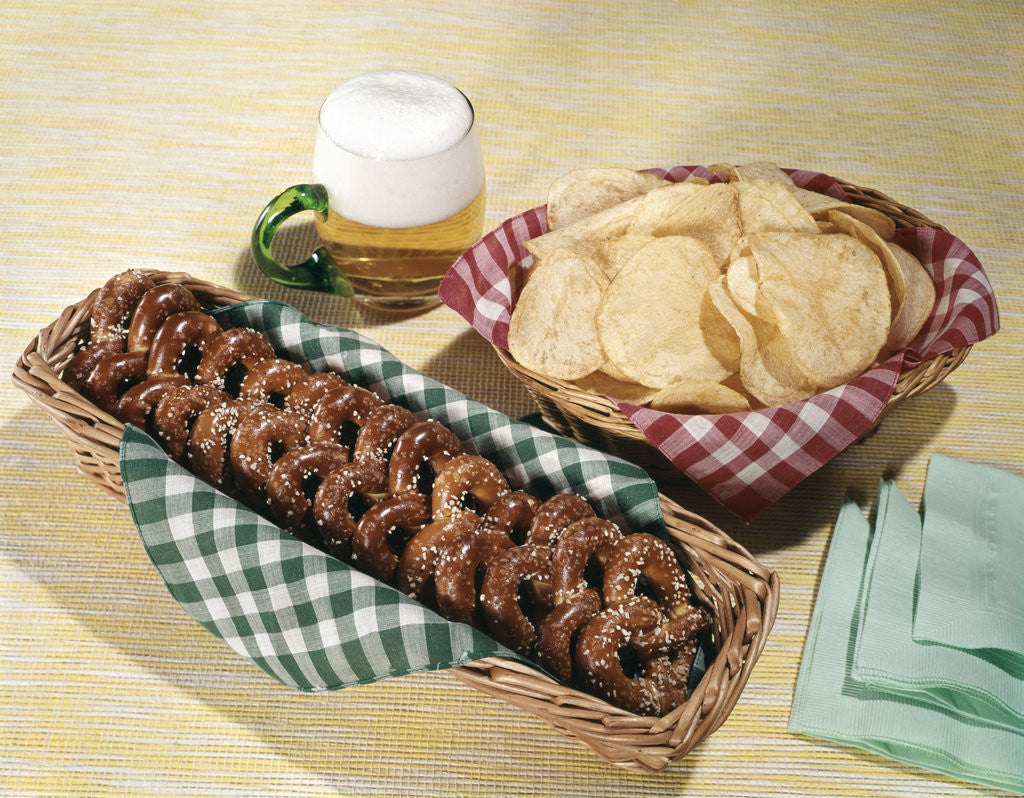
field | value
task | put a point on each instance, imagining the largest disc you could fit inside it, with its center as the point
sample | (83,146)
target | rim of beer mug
(453,145)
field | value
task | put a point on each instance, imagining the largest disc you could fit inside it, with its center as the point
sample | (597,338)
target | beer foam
(396,115)
(398,149)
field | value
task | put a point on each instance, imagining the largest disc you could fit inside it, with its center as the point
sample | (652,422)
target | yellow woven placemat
(152,135)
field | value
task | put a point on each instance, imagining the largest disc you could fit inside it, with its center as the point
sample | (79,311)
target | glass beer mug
(397,187)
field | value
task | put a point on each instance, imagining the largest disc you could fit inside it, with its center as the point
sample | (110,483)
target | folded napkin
(308,619)
(864,681)
(748,461)
(973,545)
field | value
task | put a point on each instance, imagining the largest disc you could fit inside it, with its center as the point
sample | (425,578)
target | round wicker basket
(742,594)
(598,422)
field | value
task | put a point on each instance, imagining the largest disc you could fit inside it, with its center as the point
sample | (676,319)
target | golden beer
(399,155)
(397,267)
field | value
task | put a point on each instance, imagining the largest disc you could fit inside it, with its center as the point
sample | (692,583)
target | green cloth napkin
(305,618)
(831,704)
(973,546)
(885,654)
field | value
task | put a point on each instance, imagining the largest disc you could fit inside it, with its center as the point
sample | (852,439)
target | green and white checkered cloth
(306,618)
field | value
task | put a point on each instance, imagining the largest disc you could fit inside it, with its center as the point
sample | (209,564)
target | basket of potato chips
(739,325)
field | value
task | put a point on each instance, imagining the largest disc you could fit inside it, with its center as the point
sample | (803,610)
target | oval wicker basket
(596,421)
(742,594)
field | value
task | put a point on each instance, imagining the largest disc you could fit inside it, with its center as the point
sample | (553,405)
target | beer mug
(397,187)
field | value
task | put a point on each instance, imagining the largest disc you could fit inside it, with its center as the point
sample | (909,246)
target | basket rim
(646,744)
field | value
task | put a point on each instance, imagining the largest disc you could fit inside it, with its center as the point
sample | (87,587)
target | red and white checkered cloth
(748,461)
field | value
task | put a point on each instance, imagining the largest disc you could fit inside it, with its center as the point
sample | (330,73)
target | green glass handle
(320,272)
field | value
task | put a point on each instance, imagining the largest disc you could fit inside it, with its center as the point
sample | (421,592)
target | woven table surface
(152,135)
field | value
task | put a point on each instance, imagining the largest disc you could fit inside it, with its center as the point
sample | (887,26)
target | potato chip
(818,205)
(770,207)
(768,371)
(741,280)
(698,396)
(894,275)
(614,253)
(649,320)
(762,170)
(920,300)
(828,298)
(552,329)
(609,223)
(584,192)
(709,213)
(603,384)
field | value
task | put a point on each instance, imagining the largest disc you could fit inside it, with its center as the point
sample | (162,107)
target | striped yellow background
(151,134)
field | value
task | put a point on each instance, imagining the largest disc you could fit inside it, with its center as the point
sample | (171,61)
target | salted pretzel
(112,376)
(380,430)
(644,555)
(176,412)
(402,514)
(85,360)
(418,456)
(295,479)
(271,381)
(417,563)
(586,542)
(310,389)
(209,439)
(556,633)
(154,308)
(137,404)
(460,565)
(511,513)
(340,413)
(180,342)
(114,305)
(554,515)
(342,498)
(467,483)
(239,348)
(499,594)
(600,666)
(260,439)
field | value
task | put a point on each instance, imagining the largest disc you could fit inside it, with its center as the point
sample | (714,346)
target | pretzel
(556,633)
(155,306)
(424,447)
(209,439)
(379,432)
(642,554)
(177,343)
(352,488)
(112,376)
(136,405)
(271,381)
(237,349)
(84,361)
(260,439)
(511,513)
(339,414)
(177,410)
(115,302)
(294,479)
(554,515)
(585,542)
(600,666)
(404,514)
(304,396)
(467,483)
(414,575)
(499,593)
(459,566)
